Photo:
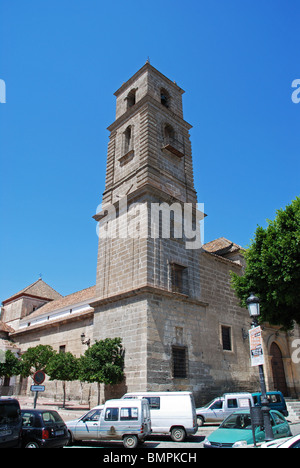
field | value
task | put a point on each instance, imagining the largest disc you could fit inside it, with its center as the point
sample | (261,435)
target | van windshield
(208,404)
(214,404)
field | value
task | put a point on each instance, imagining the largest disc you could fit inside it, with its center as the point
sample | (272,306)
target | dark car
(43,429)
(10,423)
(276,401)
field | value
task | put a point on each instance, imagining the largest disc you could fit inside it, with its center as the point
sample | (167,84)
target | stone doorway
(278,369)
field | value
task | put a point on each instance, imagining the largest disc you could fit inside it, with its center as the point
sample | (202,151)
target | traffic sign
(39,377)
(37,388)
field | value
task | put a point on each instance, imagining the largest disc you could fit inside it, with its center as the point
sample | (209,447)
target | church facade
(165,294)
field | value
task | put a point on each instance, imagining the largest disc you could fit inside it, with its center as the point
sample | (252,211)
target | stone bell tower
(147,278)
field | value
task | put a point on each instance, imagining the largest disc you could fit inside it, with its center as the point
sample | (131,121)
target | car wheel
(130,441)
(178,434)
(70,439)
(32,444)
(200,421)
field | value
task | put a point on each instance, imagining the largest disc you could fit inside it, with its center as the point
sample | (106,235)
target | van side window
(111,414)
(255,399)
(274,398)
(154,402)
(244,403)
(129,414)
(232,403)
(9,413)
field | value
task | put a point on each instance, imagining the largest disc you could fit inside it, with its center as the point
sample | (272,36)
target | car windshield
(237,421)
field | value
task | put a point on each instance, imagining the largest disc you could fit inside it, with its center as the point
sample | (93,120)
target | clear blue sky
(62,60)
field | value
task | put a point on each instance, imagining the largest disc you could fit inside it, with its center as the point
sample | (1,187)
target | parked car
(84,427)
(219,408)
(10,423)
(236,430)
(290,442)
(128,421)
(276,401)
(43,429)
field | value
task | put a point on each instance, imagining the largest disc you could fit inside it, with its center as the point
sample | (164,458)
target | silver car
(126,420)
(220,408)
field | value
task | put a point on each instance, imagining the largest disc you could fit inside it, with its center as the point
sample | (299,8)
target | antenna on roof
(148,59)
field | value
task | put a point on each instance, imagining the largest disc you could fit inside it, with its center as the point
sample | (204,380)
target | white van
(128,421)
(171,413)
(218,409)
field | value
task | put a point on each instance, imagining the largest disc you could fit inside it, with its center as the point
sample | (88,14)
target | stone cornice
(145,290)
(137,107)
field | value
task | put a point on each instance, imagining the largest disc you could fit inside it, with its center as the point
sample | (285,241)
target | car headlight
(206,441)
(240,444)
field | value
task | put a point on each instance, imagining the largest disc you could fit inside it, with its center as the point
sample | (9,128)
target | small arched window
(169,133)
(171,142)
(164,97)
(128,140)
(131,98)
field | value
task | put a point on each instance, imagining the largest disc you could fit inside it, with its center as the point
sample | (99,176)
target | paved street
(74,411)
(161,442)
(164,442)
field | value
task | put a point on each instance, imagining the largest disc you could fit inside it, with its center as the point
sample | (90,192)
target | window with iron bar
(179,358)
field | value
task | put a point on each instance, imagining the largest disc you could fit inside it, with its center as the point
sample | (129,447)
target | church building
(157,287)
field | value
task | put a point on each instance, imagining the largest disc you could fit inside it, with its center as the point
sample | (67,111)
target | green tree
(103,362)
(36,358)
(10,366)
(64,367)
(273,268)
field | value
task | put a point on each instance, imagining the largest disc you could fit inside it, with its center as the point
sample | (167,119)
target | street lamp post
(254,312)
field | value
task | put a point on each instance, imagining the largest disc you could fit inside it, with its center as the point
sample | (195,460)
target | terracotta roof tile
(6,328)
(74,298)
(221,246)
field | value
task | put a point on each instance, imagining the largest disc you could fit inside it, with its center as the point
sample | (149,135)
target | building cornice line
(144,290)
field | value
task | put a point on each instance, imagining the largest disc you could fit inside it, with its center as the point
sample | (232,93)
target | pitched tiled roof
(221,246)
(66,301)
(37,289)
(5,328)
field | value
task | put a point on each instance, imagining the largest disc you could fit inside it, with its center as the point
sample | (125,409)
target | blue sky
(63,60)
